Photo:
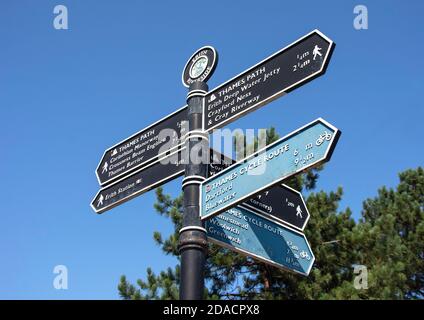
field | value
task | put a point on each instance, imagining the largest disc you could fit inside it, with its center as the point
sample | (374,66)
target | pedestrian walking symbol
(100,202)
(299,212)
(105,166)
(317,52)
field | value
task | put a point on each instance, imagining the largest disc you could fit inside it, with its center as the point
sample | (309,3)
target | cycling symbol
(323,137)
(304,255)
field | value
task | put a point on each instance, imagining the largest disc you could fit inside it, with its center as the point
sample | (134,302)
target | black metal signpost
(179,144)
(193,244)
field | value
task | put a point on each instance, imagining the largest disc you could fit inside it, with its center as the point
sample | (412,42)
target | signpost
(242,205)
(144,147)
(281,203)
(252,234)
(282,72)
(308,146)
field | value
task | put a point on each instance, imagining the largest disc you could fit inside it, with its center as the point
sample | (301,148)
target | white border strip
(195,134)
(195,93)
(193,177)
(192,228)
(190,182)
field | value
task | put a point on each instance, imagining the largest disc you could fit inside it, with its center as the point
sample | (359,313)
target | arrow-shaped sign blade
(139,182)
(283,204)
(249,233)
(307,147)
(143,148)
(282,72)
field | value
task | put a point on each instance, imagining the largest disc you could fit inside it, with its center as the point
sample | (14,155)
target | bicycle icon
(304,255)
(323,137)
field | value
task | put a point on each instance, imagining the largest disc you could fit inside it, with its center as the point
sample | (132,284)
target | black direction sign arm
(282,72)
(143,148)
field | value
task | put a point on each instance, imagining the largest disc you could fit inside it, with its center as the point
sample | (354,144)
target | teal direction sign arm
(142,148)
(287,69)
(280,203)
(251,234)
(283,204)
(308,146)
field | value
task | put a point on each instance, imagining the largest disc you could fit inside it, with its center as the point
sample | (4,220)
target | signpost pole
(193,244)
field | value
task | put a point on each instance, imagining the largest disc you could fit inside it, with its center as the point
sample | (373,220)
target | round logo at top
(200,66)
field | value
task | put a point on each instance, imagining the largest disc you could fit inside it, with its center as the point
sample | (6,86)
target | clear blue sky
(66,95)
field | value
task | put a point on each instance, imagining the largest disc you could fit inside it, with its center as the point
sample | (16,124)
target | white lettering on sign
(302,61)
